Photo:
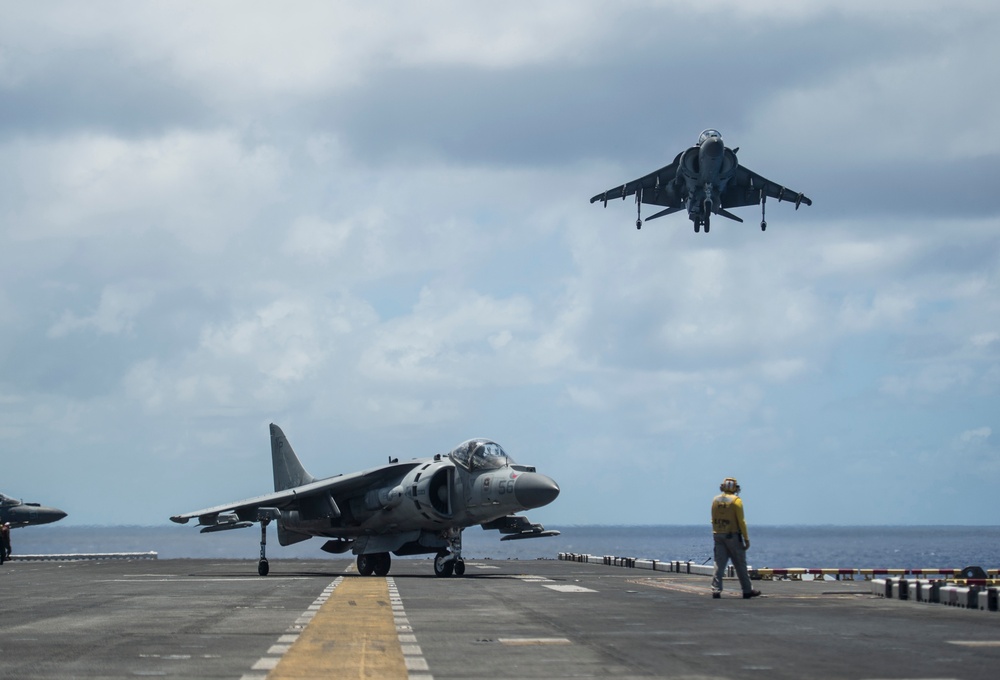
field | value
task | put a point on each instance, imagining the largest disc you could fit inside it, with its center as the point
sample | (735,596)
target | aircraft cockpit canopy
(710,132)
(8,501)
(480,454)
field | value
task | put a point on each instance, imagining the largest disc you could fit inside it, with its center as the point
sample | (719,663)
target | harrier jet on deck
(705,180)
(419,506)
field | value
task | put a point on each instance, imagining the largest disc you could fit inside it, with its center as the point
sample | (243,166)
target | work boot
(752,593)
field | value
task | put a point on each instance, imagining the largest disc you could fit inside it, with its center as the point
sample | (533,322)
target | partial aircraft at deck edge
(411,508)
(21,514)
(704,179)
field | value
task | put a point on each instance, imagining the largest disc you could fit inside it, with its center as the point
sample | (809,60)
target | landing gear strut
(638,213)
(263,567)
(763,222)
(450,561)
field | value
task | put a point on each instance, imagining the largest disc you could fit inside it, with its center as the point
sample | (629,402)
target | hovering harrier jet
(705,180)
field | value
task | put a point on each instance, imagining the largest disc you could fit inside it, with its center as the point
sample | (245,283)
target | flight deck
(503,619)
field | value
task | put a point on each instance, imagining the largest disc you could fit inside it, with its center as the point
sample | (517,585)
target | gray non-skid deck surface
(504,619)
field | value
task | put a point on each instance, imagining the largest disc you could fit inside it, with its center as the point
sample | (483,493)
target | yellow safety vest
(727,515)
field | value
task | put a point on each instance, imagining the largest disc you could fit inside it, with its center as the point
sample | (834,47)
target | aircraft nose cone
(533,490)
(712,147)
(43,515)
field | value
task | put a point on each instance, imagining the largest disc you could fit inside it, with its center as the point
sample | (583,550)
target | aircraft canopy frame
(480,454)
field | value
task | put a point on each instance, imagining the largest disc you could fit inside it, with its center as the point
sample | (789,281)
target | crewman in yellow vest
(729,530)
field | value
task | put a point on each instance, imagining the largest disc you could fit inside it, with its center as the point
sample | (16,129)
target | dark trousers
(730,547)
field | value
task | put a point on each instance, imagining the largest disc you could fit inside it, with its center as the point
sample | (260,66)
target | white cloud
(259,51)
(976,436)
(985,340)
(202,188)
(882,312)
(451,338)
(241,260)
(114,315)
(315,238)
(782,370)
(909,108)
(927,381)
(871,255)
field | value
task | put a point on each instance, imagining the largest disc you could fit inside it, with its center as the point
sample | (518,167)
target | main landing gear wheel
(374,563)
(763,226)
(263,567)
(459,567)
(444,566)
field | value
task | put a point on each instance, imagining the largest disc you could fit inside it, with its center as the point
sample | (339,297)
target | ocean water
(859,547)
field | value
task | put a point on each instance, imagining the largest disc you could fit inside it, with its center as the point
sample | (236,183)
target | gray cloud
(373,228)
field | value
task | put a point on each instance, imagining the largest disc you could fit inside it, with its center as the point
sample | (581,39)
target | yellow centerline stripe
(353,635)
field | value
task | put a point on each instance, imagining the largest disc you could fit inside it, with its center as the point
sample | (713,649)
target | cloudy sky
(370,224)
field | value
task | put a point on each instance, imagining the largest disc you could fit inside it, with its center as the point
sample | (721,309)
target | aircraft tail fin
(288,471)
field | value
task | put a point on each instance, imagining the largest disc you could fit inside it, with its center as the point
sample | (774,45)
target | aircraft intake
(429,490)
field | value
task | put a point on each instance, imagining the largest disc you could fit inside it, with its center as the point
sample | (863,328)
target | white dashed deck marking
(413,656)
(569,589)
(270,661)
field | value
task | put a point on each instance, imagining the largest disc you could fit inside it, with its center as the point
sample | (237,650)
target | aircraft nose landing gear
(448,562)
(444,566)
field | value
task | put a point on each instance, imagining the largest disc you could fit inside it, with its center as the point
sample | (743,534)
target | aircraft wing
(747,188)
(337,487)
(653,187)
